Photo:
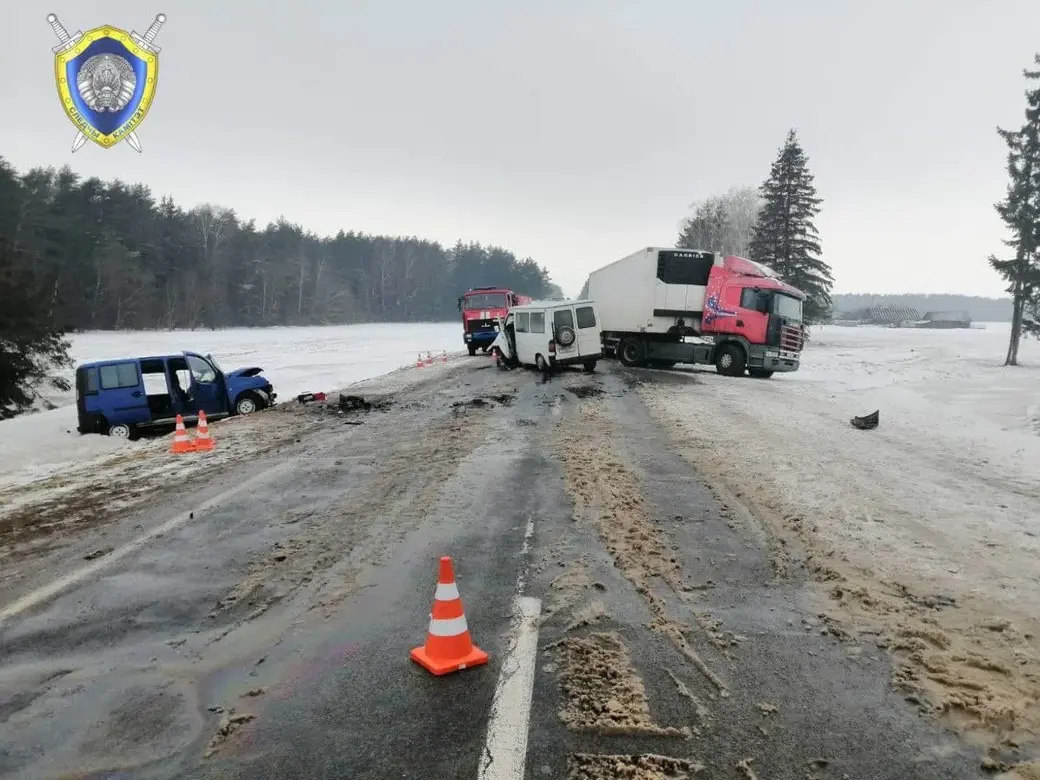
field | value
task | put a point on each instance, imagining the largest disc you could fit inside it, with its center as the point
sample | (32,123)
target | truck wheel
(730,360)
(121,431)
(631,353)
(760,373)
(472,349)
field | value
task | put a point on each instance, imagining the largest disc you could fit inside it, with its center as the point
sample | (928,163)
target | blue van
(119,397)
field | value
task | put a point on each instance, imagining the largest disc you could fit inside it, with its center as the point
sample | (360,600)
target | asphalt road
(267,634)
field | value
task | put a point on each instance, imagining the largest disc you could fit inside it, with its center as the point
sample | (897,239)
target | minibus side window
(586,317)
(538,322)
(118,376)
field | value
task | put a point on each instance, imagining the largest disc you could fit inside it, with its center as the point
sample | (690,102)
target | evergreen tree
(1020,211)
(785,238)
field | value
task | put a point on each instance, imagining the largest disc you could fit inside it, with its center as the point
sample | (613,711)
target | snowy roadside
(40,446)
(927,529)
(37,516)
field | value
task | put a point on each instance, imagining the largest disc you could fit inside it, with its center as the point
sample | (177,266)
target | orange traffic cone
(203,441)
(444,356)
(448,645)
(181,442)
(429,359)
(419,362)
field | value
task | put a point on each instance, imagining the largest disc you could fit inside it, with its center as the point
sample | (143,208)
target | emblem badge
(106,81)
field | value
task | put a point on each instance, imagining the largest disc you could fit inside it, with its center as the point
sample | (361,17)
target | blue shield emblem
(106,81)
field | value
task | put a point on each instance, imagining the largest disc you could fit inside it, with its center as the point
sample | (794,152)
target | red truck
(481,308)
(736,313)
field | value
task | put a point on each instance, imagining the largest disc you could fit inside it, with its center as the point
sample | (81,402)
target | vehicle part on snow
(868,422)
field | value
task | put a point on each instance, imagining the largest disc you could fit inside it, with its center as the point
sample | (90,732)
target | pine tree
(785,238)
(1020,211)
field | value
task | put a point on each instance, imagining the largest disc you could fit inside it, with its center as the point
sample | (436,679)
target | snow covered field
(296,360)
(930,523)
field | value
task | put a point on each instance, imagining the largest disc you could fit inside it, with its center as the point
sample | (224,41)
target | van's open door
(208,386)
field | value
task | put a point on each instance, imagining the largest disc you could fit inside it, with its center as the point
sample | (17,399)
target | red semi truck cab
(481,308)
(743,300)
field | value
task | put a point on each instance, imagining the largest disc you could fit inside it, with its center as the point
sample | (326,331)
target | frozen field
(295,359)
(929,526)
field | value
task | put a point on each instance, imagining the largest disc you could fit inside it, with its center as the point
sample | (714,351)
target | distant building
(946,319)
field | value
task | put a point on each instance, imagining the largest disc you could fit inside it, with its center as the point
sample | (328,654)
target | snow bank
(295,359)
(945,491)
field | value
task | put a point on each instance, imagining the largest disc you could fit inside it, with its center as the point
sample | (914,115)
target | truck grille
(791,338)
(475,326)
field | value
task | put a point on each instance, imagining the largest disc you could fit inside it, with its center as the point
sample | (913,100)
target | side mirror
(459,302)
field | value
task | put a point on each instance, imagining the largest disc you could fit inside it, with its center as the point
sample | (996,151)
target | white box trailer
(632,297)
(662,306)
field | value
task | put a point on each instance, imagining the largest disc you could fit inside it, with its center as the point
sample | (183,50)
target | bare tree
(722,223)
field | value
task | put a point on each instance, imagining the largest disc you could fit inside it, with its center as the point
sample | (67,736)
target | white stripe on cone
(448,592)
(451,627)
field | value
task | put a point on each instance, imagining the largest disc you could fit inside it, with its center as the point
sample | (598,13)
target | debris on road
(230,722)
(604,693)
(744,766)
(97,553)
(867,422)
(647,766)
(357,403)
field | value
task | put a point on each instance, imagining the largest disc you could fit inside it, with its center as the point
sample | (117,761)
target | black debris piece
(868,422)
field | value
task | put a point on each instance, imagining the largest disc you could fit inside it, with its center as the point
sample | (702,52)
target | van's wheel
(472,349)
(541,364)
(631,352)
(121,431)
(730,360)
(760,373)
(590,366)
(247,404)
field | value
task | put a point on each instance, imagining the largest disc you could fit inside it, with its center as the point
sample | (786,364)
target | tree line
(87,254)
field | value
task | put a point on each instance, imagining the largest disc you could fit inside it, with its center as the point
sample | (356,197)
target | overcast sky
(574,131)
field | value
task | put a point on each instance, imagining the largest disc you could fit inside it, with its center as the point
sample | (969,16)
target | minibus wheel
(121,431)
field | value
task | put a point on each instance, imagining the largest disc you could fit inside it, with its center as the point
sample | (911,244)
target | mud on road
(266,633)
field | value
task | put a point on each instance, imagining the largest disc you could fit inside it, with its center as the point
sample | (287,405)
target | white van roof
(551,303)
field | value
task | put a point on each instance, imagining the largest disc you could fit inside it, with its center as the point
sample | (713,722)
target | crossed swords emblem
(145,41)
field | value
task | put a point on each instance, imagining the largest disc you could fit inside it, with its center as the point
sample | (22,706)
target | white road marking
(56,587)
(505,749)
